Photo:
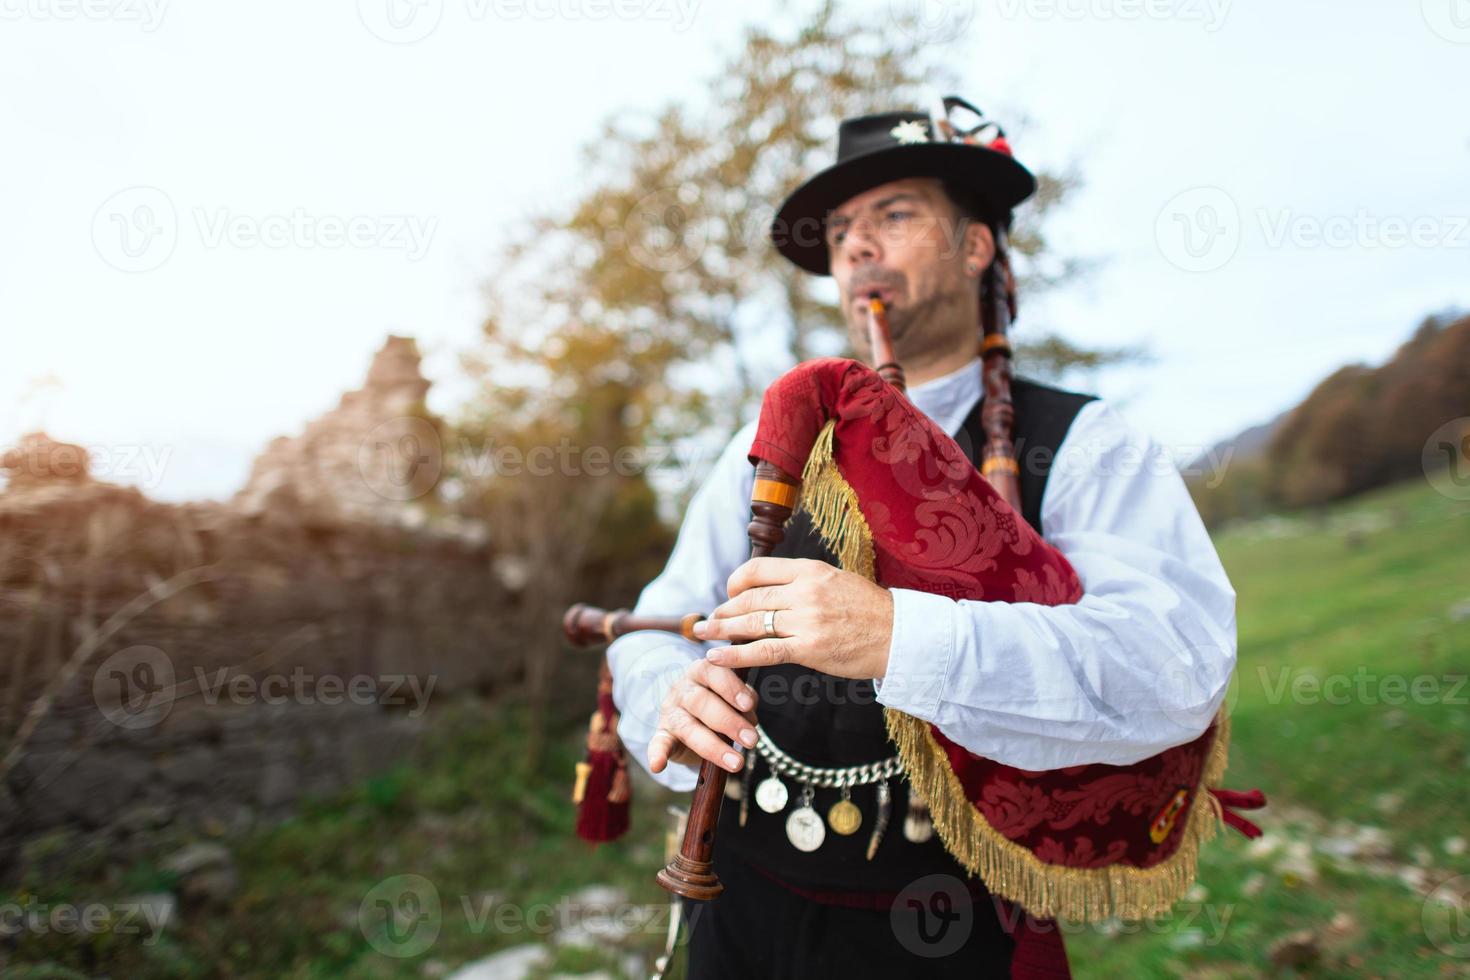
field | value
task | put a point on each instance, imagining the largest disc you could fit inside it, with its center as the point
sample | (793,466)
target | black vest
(829,721)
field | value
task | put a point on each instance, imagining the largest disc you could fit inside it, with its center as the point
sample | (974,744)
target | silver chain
(785,765)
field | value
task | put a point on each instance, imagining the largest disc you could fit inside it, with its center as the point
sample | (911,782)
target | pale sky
(1274,188)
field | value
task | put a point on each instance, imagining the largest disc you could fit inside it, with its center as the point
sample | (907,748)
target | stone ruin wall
(328,564)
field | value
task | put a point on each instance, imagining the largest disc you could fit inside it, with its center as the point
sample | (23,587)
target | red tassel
(604,794)
(599,819)
(1249,800)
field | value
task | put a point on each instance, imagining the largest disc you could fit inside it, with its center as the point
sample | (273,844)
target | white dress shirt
(1140,664)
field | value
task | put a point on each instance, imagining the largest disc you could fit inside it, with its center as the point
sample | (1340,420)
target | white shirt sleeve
(1140,664)
(712,543)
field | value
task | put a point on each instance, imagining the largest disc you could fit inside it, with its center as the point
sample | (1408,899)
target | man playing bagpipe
(957,725)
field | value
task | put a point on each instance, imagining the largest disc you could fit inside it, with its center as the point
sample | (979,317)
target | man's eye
(899,215)
(838,236)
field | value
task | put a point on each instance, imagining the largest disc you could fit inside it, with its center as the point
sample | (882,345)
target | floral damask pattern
(938,526)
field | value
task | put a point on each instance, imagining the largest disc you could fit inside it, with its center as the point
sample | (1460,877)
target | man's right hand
(702,713)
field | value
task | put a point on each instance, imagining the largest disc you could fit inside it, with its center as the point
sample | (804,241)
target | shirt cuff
(918,654)
(643,665)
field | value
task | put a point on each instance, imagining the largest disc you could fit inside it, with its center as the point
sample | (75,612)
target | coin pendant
(771,795)
(804,829)
(844,817)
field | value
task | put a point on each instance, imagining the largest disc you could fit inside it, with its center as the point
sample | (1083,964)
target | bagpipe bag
(898,502)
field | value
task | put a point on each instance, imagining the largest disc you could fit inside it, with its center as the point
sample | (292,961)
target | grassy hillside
(1350,711)
(494,844)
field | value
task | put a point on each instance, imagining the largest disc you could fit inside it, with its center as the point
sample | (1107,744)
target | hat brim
(799,230)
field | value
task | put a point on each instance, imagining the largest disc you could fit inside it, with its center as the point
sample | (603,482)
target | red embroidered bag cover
(898,502)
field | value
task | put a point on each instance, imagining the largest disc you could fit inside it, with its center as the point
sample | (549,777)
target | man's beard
(916,327)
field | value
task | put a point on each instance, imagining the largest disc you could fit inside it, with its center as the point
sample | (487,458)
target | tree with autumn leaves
(652,310)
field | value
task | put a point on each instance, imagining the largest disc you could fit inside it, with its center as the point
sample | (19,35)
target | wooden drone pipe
(586,626)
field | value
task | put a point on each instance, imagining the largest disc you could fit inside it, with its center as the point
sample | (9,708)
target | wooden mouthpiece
(884,361)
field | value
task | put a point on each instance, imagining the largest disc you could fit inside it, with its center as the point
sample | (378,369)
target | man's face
(903,241)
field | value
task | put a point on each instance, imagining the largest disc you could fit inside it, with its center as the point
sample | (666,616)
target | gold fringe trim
(1052,891)
(833,506)
(1008,869)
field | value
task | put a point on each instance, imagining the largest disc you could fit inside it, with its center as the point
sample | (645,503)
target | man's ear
(979,246)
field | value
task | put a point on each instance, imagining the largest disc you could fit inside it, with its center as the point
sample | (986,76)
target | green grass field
(1350,711)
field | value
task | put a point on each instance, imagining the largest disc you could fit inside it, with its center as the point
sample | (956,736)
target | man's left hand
(826,619)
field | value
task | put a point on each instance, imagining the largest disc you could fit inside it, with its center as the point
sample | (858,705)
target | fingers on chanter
(724,682)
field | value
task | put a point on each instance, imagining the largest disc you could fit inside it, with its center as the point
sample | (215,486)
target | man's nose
(861,243)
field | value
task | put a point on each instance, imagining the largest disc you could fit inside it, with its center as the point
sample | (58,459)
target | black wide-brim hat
(886,146)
